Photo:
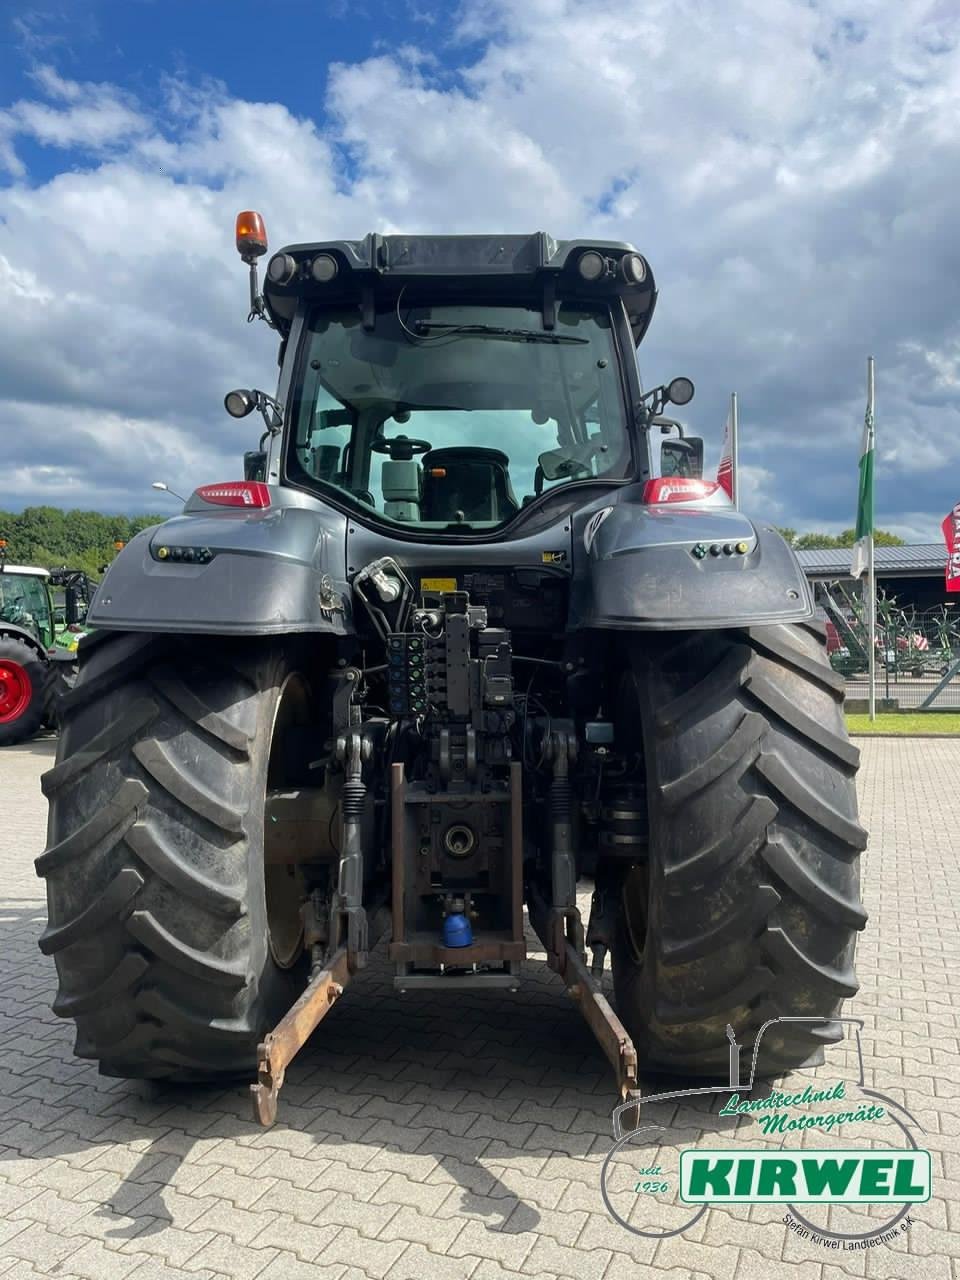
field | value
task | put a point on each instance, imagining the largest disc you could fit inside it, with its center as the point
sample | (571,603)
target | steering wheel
(400,448)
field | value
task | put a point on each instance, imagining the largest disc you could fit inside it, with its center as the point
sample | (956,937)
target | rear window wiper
(495,331)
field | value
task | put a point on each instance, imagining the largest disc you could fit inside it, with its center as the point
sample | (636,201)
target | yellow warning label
(553,557)
(438,584)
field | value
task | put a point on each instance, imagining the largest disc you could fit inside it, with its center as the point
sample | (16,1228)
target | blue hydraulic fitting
(457,931)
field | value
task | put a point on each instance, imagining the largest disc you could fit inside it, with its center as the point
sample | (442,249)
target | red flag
(951,534)
(725,469)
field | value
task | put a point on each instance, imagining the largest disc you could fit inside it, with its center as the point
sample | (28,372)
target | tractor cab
(440,418)
(25,601)
(443,385)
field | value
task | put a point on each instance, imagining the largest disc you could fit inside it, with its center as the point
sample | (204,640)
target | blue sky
(275,50)
(788,167)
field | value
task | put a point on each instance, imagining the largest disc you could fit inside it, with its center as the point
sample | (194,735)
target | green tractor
(39,637)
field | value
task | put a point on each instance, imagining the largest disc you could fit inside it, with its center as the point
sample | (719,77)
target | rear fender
(640,567)
(16,632)
(269,572)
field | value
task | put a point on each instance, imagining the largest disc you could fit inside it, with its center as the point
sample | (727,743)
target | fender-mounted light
(678,489)
(236,493)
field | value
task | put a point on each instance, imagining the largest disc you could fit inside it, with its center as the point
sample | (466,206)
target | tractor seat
(473,481)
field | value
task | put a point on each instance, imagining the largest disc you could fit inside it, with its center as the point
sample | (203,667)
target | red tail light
(236,493)
(678,489)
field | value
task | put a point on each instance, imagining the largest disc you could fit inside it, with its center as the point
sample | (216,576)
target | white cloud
(94,117)
(784,166)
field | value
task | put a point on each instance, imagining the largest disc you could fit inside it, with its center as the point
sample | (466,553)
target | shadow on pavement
(479,1084)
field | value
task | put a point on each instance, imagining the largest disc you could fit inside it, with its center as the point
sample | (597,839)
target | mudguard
(260,572)
(674,566)
(17,632)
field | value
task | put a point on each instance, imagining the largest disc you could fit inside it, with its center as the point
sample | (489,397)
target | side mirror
(255,464)
(71,610)
(239,403)
(682,458)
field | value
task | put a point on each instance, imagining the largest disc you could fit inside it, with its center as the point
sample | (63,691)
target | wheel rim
(283,884)
(16,690)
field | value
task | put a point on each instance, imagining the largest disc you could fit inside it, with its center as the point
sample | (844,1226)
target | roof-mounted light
(592,265)
(633,269)
(236,493)
(251,235)
(281,268)
(324,268)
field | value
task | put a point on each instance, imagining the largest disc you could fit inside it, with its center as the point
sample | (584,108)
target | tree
(881,538)
(815,541)
(50,537)
(819,541)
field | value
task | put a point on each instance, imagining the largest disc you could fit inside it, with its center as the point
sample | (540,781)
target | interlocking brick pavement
(451,1137)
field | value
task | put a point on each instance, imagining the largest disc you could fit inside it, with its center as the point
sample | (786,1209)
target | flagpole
(871,573)
(734,449)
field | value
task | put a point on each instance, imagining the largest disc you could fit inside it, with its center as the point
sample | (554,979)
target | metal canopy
(926,559)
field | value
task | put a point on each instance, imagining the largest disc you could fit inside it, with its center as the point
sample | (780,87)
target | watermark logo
(845,1177)
(832,1142)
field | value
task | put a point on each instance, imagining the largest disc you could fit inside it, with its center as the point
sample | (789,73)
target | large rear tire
(154,866)
(749,906)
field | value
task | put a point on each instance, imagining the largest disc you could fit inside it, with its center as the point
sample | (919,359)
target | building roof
(926,559)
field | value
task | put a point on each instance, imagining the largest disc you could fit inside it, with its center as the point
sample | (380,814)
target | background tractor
(472,626)
(39,635)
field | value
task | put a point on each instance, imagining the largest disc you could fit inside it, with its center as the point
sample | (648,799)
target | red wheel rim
(15,690)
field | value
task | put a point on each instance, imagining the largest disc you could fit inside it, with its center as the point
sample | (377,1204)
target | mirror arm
(643,413)
(272,413)
(258,310)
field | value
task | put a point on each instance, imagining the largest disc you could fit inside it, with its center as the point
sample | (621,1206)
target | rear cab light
(252,494)
(678,489)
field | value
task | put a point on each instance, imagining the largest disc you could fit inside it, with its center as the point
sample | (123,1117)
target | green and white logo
(775,1177)
(832,1158)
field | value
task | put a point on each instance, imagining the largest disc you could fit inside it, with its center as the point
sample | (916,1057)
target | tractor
(38,643)
(472,628)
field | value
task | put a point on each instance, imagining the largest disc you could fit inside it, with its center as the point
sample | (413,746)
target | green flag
(864,532)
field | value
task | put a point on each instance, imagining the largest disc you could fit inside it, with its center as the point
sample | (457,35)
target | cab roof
(523,264)
(26,570)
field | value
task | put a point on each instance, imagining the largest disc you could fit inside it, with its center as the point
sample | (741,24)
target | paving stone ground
(444,1137)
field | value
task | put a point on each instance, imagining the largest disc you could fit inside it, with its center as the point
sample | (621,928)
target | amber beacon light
(251,235)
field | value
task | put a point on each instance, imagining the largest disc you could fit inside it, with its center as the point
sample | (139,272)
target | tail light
(236,493)
(678,489)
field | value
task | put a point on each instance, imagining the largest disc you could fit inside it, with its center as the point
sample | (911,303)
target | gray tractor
(473,627)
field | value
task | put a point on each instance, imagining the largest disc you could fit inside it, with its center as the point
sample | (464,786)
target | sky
(790,169)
